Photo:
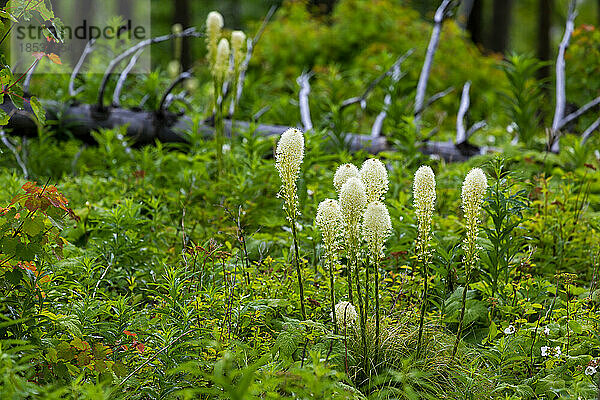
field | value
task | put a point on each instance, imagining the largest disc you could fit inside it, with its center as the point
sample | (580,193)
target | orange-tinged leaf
(54,58)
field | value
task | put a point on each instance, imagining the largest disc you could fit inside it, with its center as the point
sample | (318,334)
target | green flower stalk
(424,202)
(473,192)
(214,25)
(352,199)
(376,228)
(329,221)
(289,156)
(375,178)
(220,72)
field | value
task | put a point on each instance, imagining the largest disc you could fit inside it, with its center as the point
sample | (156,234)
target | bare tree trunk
(182,15)
(475,21)
(544,51)
(501,22)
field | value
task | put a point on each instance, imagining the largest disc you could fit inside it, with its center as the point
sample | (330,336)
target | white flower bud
(473,192)
(288,159)
(214,25)
(374,175)
(353,200)
(329,221)
(376,227)
(342,174)
(346,315)
(222,61)
(424,203)
(238,41)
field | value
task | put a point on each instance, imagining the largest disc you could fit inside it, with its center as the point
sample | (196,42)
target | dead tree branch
(15,152)
(89,47)
(189,32)
(387,102)
(362,98)
(588,132)
(116,101)
(440,16)
(250,45)
(561,97)
(303,82)
(27,81)
(180,79)
(465,102)
(433,99)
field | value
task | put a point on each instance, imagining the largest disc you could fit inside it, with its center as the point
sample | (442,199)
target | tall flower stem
(331,263)
(349,273)
(423,306)
(376,266)
(298,270)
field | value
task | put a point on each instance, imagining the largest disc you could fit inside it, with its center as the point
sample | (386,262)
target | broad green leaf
(4,117)
(39,112)
(33,226)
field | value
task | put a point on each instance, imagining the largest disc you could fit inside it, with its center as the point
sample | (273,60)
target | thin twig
(440,15)
(434,98)
(465,102)
(27,81)
(561,97)
(387,102)
(250,45)
(189,32)
(582,110)
(181,78)
(89,47)
(303,82)
(116,102)
(362,98)
(586,135)
(13,150)
(260,113)
(475,127)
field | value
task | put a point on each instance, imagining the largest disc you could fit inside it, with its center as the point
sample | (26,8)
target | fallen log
(145,127)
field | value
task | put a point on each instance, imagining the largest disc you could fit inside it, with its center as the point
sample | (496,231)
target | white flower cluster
(221,67)
(549,351)
(238,42)
(343,173)
(288,159)
(353,200)
(424,202)
(509,330)
(329,221)
(592,367)
(346,315)
(376,228)
(473,192)
(375,178)
(214,25)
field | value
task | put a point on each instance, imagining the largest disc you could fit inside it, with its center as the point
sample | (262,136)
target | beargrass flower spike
(346,315)
(329,221)
(376,228)
(289,155)
(424,202)
(343,173)
(473,191)
(374,175)
(214,25)
(238,41)
(352,199)
(221,68)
